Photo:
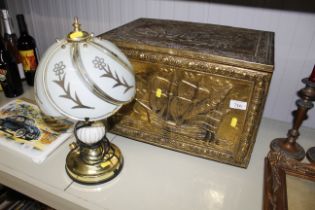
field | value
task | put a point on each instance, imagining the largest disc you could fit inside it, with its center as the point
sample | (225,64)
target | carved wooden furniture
(289,184)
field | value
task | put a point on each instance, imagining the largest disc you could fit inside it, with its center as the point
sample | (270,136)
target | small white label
(234,104)
(21,71)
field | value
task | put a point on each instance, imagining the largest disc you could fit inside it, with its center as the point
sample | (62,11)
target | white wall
(294,42)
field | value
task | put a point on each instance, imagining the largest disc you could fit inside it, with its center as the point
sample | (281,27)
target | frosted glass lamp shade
(86,79)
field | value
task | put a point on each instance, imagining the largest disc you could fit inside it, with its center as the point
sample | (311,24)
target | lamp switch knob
(73,146)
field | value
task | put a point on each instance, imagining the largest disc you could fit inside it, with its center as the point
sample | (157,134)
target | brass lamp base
(93,164)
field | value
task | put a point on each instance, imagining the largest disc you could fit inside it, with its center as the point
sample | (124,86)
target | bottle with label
(9,74)
(10,40)
(27,49)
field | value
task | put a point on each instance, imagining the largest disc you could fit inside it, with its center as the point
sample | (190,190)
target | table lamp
(86,79)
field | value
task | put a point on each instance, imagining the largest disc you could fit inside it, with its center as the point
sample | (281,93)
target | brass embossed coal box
(201,88)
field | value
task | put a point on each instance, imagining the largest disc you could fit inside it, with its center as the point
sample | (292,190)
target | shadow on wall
(291,5)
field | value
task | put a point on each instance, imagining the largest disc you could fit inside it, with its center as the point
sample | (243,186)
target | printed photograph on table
(24,128)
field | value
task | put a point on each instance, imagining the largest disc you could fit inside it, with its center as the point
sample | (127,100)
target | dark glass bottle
(9,74)
(10,40)
(27,49)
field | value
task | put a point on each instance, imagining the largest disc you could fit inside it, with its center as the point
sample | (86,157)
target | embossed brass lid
(222,44)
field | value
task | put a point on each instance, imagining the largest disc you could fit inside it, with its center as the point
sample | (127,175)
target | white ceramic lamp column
(86,79)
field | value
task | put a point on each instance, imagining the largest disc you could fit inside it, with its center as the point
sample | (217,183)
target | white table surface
(152,177)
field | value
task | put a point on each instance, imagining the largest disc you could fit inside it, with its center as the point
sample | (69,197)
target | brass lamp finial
(77,35)
(76,25)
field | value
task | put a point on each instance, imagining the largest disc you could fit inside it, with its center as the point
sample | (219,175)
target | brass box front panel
(186,107)
(194,92)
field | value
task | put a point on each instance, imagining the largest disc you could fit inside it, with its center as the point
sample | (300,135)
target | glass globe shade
(80,80)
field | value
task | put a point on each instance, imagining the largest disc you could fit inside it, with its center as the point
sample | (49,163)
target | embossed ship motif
(183,102)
